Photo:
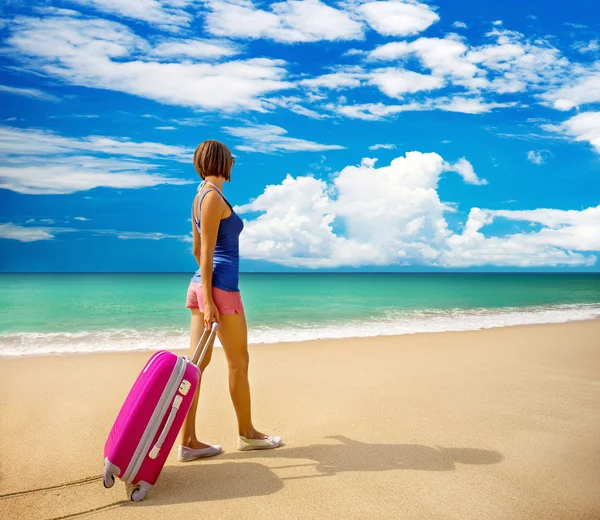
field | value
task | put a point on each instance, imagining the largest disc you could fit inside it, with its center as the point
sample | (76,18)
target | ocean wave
(390,324)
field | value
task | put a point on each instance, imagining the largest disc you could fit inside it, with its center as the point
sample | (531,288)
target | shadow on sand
(236,476)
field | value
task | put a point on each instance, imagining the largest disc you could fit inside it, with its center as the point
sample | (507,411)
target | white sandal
(186,454)
(267,443)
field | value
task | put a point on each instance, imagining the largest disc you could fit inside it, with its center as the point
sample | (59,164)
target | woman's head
(213,159)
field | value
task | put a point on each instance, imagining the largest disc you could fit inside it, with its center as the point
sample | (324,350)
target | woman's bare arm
(196,239)
(210,217)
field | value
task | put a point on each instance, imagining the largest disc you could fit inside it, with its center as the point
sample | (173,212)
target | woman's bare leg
(188,431)
(233,334)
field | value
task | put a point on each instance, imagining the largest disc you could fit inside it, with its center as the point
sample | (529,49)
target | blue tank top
(226,260)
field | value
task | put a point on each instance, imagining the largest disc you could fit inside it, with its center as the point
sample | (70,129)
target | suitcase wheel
(137,494)
(108,481)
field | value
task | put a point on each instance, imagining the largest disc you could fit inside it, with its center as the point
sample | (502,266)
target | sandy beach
(494,424)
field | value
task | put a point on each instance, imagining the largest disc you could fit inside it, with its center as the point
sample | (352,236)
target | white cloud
(12,231)
(557,243)
(29,92)
(537,156)
(473,105)
(398,17)
(460,25)
(288,21)
(138,235)
(517,63)
(585,47)
(293,21)
(107,55)
(270,138)
(298,217)
(336,80)
(202,49)
(397,82)
(82,219)
(583,87)
(378,111)
(465,169)
(293,104)
(166,14)
(382,147)
(42,162)
(582,127)
(508,64)
(445,57)
(371,111)
(16,141)
(63,176)
(165,128)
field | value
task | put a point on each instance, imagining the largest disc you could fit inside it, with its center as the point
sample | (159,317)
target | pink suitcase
(151,417)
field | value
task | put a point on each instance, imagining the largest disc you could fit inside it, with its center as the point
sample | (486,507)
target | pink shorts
(227,302)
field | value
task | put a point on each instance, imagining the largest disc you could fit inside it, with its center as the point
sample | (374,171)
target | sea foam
(393,323)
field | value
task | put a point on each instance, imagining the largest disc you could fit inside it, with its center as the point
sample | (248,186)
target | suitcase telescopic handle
(206,340)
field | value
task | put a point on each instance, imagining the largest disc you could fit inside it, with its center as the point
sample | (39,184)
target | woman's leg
(188,432)
(233,334)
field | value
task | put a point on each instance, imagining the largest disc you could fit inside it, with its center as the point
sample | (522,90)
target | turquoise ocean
(64,313)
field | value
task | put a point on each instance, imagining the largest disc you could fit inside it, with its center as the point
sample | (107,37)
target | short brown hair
(213,158)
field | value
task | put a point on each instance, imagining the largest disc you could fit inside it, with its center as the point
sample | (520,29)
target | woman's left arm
(196,240)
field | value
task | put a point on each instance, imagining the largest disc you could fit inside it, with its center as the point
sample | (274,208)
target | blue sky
(387,135)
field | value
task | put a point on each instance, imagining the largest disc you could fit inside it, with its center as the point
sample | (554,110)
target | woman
(214,296)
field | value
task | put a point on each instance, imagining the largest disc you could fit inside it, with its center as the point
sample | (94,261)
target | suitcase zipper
(154,423)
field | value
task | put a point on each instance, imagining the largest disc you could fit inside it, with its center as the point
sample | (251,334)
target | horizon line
(444,271)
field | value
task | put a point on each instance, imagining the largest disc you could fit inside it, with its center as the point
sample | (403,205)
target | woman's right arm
(210,217)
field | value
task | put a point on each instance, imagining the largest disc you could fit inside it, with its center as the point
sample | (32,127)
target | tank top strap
(216,188)
(199,207)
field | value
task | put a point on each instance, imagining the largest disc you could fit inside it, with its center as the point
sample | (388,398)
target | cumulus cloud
(509,63)
(271,138)
(465,169)
(298,217)
(43,162)
(203,73)
(475,79)
(560,242)
(537,156)
(289,21)
(460,25)
(398,17)
(107,55)
(582,127)
(293,21)
(583,87)
(585,47)
(397,82)
(166,14)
